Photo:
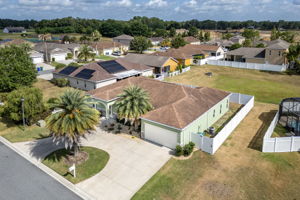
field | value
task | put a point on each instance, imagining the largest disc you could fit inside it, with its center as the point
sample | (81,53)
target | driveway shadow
(257,141)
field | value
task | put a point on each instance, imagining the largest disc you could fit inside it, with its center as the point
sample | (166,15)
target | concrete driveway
(132,163)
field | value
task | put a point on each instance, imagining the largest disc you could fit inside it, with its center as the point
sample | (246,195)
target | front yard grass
(267,87)
(238,170)
(104,57)
(94,164)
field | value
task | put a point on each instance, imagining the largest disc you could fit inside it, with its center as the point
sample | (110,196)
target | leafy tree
(96,36)
(84,39)
(293,56)
(16,68)
(140,44)
(86,53)
(227,36)
(275,34)
(247,43)
(250,34)
(193,31)
(33,104)
(161,33)
(166,43)
(235,46)
(172,32)
(139,29)
(288,36)
(132,103)
(66,39)
(201,36)
(260,45)
(177,42)
(206,36)
(73,121)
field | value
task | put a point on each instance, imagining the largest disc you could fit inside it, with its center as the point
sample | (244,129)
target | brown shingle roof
(149,60)
(123,37)
(190,39)
(174,105)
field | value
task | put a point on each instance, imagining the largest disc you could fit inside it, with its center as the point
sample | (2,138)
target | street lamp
(23,116)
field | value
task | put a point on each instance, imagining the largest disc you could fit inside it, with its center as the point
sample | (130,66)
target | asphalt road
(21,180)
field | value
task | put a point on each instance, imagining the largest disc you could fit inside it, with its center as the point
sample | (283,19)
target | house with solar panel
(99,74)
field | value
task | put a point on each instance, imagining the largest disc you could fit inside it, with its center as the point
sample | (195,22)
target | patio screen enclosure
(289,114)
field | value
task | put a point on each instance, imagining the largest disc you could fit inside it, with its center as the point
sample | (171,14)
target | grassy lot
(104,57)
(267,87)
(280,131)
(238,170)
(94,164)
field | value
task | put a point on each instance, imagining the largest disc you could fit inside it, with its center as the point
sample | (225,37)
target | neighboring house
(181,31)
(192,40)
(155,41)
(14,30)
(36,57)
(160,64)
(178,110)
(273,54)
(17,42)
(210,50)
(219,42)
(183,57)
(57,51)
(99,74)
(123,39)
(238,39)
(108,47)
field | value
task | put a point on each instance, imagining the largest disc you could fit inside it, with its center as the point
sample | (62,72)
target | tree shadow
(257,141)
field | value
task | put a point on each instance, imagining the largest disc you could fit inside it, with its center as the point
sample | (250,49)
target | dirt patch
(218,190)
(81,157)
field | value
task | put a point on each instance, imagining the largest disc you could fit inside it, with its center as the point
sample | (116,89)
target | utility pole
(23,115)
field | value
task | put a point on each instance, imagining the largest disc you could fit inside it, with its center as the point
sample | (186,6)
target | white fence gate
(242,65)
(279,144)
(211,145)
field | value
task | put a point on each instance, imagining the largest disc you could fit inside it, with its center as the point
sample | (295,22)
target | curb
(49,171)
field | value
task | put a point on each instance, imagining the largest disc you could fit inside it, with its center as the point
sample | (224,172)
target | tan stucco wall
(277,56)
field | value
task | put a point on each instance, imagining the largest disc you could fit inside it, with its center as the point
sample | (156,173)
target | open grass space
(104,57)
(238,170)
(96,161)
(17,133)
(267,87)
(280,131)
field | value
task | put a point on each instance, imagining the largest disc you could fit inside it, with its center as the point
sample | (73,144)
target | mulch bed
(81,157)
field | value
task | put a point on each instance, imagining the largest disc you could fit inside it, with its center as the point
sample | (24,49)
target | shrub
(59,66)
(178,150)
(188,148)
(69,56)
(74,64)
(60,82)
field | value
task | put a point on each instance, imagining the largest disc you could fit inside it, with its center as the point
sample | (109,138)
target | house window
(77,82)
(220,108)
(227,103)
(270,52)
(84,84)
(279,53)
(214,114)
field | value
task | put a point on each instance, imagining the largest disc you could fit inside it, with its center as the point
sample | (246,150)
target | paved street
(132,163)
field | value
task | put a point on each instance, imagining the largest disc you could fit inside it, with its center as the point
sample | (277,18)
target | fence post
(292,144)
(275,144)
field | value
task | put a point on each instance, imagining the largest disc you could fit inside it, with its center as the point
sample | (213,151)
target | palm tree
(74,119)
(132,103)
(96,35)
(86,53)
(44,38)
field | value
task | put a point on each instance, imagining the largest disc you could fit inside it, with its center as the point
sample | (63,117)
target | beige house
(192,40)
(108,47)
(123,39)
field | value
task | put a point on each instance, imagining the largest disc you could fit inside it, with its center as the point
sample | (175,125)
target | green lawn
(279,131)
(94,164)
(49,90)
(267,87)
(104,57)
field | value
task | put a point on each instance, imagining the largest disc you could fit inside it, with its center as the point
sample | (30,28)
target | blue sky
(179,10)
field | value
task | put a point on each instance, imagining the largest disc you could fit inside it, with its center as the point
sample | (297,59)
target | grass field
(238,170)
(96,161)
(267,87)
(104,57)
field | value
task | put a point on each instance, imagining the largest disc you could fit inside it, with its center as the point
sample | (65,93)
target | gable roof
(149,60)
(156,39)
(191,39)
(123,37)
(174,105)
(40,47)
(278,44)
(101,45)
(248,52)
(100,74)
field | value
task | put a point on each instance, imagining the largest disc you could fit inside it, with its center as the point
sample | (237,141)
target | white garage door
(160,136)
(37,60)
(59,57)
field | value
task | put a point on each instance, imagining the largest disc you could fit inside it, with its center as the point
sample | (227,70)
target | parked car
(117,53)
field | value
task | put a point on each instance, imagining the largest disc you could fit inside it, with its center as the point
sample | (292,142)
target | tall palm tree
(132,103)
(86,53)
(44,38)
(74,119)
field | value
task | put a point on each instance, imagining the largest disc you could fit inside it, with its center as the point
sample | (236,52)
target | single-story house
(219,42)
(159,64)
(99,74)
(57,51)
(108,47)
(17,42)
(184,58)
(209,50)
(155,41)
(36,57)
(178,110)
(237,39)
(273,54)
(123,39)
(192,40)
(14,30)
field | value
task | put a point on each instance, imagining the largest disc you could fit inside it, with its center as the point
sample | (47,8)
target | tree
(44,37)
(206,36)
(132,103)
(172,32)
(74,119)
(140,44)
(275,34)
(260,45)
(250,34)
(96,35)
(201,36)
(193,31)
(177,42)
(288,36)
(84,39)
(33,104)
(86,53)
(235,46)
(161,33)
(137,28)
(227,36)
(166,43)
(247,43)
(16,68)
(293,55)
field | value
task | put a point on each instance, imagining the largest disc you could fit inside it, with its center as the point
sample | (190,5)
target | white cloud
(157,3)
(122,3)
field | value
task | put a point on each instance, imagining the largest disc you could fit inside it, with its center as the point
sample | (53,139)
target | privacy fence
(279,144)
(211,145)
(205,60)
(242,65)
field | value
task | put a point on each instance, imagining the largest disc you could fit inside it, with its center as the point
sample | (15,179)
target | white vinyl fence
(211,145)
(279,144)
(256,66)
(175,73)
(205,60)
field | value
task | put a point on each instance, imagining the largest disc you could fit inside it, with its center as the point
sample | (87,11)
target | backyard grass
(94,164)
(267,87)
(238,170)
(16,133)
(104,57)
(280,131)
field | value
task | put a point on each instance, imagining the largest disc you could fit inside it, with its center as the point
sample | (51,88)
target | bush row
(186,150)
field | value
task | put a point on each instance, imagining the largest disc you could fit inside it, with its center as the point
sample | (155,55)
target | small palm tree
(86,53)
(96,35)
(132,103)
(74,119)
(44,38)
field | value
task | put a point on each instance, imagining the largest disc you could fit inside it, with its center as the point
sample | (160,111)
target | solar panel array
(85,73)
(68,70)
(112,66)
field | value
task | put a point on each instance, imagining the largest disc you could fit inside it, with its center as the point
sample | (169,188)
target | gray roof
(123,37)
(248,52)
(20,180)
(237,37)
(149,60)
(15,28)
(278,44)
(156,39)
(40,47)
